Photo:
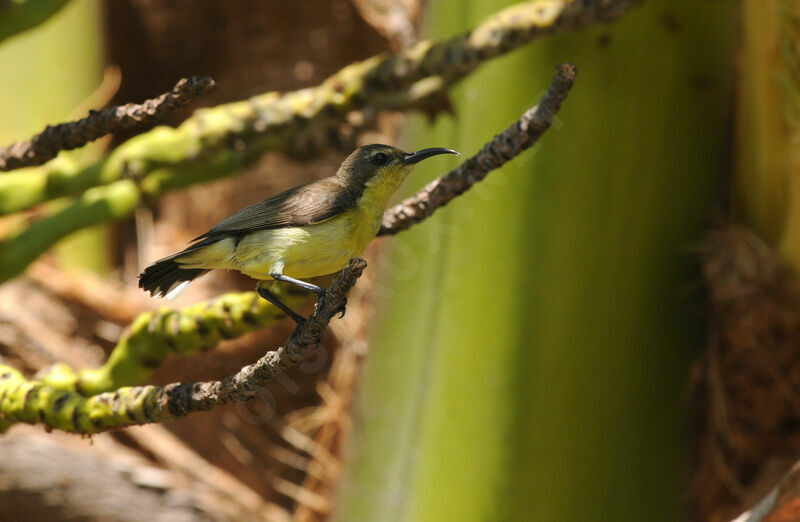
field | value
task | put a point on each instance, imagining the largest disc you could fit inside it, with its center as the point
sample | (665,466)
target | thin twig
(33,402)
(67,136)
(520,136)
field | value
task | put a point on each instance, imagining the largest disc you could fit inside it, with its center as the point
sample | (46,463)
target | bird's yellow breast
(305,251)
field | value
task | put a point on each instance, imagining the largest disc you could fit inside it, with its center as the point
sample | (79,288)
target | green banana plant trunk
(530,358)
(48,73)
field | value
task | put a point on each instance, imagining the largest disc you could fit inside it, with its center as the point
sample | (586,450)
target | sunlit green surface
(18,16)
(47,73)
(532,354)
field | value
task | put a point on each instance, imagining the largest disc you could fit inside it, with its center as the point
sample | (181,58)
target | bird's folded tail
(168,278)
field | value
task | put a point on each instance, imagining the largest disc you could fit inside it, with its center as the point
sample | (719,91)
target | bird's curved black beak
(416,157)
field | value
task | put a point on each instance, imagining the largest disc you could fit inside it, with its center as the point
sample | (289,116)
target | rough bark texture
(67,136)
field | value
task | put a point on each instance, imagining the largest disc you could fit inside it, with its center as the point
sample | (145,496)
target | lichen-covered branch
(17,16)
(67,136)
(510,143)
(223,139)
(32,401)
(152,335)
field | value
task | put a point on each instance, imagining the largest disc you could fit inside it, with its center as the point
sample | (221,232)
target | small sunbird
(307,231)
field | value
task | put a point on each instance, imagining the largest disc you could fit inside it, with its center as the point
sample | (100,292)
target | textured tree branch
(510,143)
(67,136)
(29,401)
(221,140)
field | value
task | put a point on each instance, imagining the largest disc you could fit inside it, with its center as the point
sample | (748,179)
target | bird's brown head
(382,166)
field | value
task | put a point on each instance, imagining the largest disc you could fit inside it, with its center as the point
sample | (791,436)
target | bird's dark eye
(380,159)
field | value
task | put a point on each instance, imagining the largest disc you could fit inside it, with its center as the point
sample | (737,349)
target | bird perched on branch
(307,231)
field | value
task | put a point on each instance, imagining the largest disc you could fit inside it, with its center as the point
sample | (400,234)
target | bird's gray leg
(272,298)
(308,286)
(302,284)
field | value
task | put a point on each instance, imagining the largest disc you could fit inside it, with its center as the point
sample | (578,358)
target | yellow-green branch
(152,335)
(62,408)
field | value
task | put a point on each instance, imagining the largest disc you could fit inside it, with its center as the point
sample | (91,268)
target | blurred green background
(534,342)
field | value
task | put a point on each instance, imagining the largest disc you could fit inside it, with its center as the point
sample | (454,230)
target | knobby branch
(59,403)
(71,135)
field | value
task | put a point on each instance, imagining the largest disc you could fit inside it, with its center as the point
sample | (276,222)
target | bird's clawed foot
(321,302)
(299,319)
(342,308)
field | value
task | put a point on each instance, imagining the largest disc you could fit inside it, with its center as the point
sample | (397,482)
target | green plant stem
(17,16)
(153,335)
(98,205)
(540,373)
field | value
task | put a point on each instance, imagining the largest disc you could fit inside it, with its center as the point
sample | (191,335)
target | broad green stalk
(762,189)
(18,16)
(767,189)
(47,73)
(534,341)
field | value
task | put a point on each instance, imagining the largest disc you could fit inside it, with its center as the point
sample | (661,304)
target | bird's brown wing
(303,205)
